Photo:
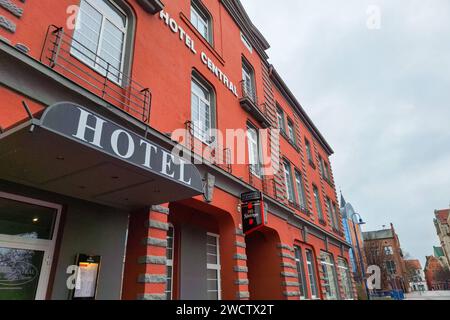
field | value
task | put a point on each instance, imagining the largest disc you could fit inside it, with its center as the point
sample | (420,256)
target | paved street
(429,295)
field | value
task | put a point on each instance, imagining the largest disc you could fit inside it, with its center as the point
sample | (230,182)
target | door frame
(47,246)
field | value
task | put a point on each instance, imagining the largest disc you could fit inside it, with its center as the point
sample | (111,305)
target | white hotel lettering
(190,43)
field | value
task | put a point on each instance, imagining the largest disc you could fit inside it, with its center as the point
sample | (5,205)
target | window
(100,36)
(327,171)
(254,151)
(390,267)
(213,267)
(169,264)
(324,169)
(329,276)
(246,42)
(317,201)
(202,105)
(312,274)
(336,216)
(248,81)
(300,271)
(280,116)
(388,251)
(345,279)
(308,152)
(291,131)
(201,20)
(300,189)
(331,212)
(288,181)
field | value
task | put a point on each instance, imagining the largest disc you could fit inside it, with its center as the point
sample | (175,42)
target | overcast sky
(381,98)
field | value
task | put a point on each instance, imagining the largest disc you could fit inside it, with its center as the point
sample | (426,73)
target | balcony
(201,143)
(74,61)
(258,180)
(249,102)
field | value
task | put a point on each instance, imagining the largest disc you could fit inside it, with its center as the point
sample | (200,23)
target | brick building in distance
(416,275)
(441,222)
(437,271)
(91,106)
(382,248)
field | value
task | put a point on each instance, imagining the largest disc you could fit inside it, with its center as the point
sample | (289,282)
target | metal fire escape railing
(78,63)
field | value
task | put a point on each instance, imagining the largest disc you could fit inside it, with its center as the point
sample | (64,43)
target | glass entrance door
(27,239)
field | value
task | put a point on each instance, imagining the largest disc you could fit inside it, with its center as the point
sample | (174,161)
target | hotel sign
(190,45)
(252,216)
(90,129)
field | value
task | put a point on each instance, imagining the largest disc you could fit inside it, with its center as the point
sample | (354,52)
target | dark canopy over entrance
(76,152)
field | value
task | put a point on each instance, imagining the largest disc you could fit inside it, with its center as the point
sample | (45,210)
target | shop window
(300,190)
(288,181)
(318,204)
(201,19)
(345,279)
(300,271)
(202,109)
(169,265)
(99,38)
(213,267)
(329,276)
(248,81)
(312,274)
(254,152)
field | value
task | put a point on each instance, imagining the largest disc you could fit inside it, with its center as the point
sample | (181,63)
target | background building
(416,275)
(350,222)
(441,223)
(436,271)
(90,108)
(382,248)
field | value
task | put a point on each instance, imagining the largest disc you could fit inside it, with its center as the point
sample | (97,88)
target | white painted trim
(217,266)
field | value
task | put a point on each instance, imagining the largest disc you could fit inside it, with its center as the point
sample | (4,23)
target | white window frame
(202,17)
(299,263)
(169,262)
(327,276)
(96,66)
(248,77)
(217,267)
(317,203)
(291,130)
(290,192)
(344,267)
(300,189)
(280,118)
(46,246)
(254,142)
(312,274)
(205,134)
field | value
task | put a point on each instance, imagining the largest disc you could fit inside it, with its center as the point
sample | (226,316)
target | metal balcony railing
(249,92)
(258,180)
(201,143)
(76,62)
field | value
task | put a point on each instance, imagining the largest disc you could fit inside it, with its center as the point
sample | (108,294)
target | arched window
(101,36)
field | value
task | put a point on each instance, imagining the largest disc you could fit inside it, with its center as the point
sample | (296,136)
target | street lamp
(361,262)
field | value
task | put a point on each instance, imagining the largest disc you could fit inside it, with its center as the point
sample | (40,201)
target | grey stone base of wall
(243,295)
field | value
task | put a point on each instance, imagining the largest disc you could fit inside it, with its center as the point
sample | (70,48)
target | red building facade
(94,97)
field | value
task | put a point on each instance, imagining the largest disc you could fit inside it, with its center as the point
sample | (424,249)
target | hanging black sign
(252,216)
(251,196)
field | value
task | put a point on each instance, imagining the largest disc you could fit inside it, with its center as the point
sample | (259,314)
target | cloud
(380,97)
